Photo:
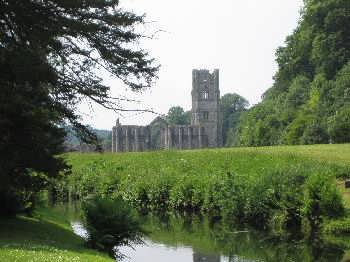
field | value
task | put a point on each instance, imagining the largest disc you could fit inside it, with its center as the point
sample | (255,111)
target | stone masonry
(206,123)
(130,138)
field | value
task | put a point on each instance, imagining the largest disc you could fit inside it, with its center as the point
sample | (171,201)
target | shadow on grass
(35,234)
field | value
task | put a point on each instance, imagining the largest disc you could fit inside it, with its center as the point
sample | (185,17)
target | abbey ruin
(205,129)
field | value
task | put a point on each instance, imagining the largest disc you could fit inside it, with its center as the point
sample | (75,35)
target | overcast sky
(239,37)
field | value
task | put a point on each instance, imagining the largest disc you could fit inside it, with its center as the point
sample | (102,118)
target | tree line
(309,102)
(232,106)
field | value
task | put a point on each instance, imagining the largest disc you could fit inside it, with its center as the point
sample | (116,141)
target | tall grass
(259,186)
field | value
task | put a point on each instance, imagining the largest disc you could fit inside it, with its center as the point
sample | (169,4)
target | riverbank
(45,237)
(209,240)
(246,183)
(278,186)
(176,238)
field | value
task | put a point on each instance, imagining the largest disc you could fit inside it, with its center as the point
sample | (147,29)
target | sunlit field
(46,237)
(250,184)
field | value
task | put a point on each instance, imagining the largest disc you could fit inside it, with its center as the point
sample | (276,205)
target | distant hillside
(72,142)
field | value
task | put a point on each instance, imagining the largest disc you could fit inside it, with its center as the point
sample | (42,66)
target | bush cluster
(111,223)
(249,187)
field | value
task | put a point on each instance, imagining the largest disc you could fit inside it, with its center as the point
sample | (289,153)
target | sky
(239,37)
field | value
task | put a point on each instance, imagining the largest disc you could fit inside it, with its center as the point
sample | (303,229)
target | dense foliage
(111,223)
(49,53)
(177,116)
(310,100)
(232,106)
(261,187)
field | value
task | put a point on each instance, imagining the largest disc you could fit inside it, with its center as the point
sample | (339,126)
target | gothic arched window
(205,95)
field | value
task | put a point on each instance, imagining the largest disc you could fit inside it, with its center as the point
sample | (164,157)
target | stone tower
(206,105)
(206,122)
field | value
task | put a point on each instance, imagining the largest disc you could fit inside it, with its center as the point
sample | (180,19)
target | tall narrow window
(205,115)
(205,95)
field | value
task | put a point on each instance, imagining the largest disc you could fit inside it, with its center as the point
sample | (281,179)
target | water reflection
(246,249)
(159,253)
(198,257)
(174,238)
(204,240)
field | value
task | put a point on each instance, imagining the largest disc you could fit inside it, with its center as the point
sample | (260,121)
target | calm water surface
(151,251)
(175,238)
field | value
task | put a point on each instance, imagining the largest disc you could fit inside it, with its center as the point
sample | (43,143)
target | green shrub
(158,191)
(251,185)
(187,193)
(110,223)
(289,195)
(212,197)
(322,199)
(337,226)
(232,196)
(339,126)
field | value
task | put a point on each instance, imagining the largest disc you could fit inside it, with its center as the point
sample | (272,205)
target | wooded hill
(309,101)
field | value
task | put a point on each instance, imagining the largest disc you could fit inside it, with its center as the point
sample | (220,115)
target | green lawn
(47,237)
(338,154)
(246,182)
(178,177)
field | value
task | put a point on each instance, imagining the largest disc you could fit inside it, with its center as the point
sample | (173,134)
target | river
(178,238)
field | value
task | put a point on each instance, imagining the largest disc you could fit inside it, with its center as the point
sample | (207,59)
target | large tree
(51,53)
(231,106)
(310,98)
(177,116)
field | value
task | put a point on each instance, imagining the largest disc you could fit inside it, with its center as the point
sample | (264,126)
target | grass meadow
(260,186)
(45,237)
(269,186)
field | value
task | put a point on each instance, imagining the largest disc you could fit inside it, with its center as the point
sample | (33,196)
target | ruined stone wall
(131,138)
(183,137)
(206,123)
